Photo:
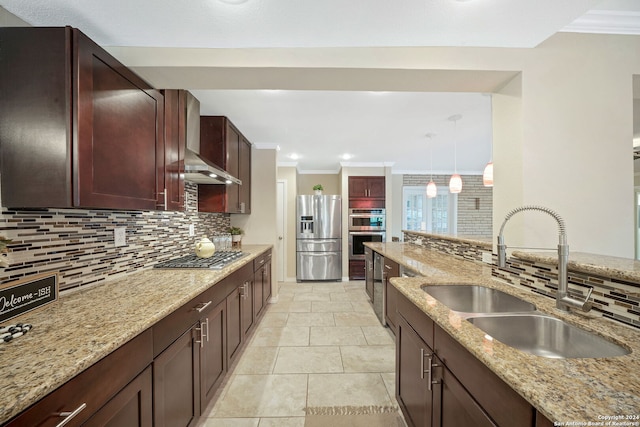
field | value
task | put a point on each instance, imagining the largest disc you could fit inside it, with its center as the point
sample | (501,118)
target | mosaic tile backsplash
(612,298)
(79,244)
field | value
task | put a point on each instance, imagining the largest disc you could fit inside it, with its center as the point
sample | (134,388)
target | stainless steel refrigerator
(319,238)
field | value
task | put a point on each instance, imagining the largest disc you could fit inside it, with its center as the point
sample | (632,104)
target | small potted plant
(236,235)
(318,189)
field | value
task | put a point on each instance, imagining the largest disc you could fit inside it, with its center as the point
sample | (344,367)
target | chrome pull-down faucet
(563,300)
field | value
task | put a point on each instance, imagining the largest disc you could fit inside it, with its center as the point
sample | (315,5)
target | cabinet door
(412,387)
(175,134)
(458,408)
(258,292)
(266,280)
(119,133)
(234,325)
(357,187)
(247,305)
(176,383)
(131,407)
(213,359)
(376,187)
(244,174)
(391,269)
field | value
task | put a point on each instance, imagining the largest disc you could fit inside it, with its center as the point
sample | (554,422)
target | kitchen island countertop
(84,326)
(564,390)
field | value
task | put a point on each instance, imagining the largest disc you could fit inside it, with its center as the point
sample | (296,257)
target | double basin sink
(518,324)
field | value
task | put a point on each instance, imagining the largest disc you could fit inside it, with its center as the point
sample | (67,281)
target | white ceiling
(374,127)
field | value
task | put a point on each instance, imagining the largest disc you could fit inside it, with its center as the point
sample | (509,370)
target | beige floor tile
(369,358)
(311,319)
(312,296)
(339,296)
(347,390)
(331,306)
(362,306)
(229,422)
(304,360)
(291,307)
(273,319)
(282,422)
(256,360)
(389,379)
(286,336)
(286,296)
(378,335)
(328,287)
(336,335)
(356,319)
(354,286)
(263,396)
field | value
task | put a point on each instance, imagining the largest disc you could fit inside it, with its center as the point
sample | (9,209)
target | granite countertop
(82,327)
(564,390)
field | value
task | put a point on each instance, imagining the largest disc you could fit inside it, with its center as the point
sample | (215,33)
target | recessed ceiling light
(294,156)
(346,156)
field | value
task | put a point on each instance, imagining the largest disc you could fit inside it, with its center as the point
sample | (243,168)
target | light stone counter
(564,390)
(82,327)
(484,242)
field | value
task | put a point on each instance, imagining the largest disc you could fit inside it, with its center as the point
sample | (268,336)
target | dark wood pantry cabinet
(225,146)
(78,128)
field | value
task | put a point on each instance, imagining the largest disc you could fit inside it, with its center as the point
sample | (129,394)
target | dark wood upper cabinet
(366,187)
(78,128)
(175,140)
(224,145)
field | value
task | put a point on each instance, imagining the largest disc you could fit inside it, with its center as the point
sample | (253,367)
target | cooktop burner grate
(216,262)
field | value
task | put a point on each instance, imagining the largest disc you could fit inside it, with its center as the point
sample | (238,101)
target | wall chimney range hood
(196,168)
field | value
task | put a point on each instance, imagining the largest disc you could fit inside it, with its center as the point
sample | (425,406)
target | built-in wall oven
(357,239)
(365,225)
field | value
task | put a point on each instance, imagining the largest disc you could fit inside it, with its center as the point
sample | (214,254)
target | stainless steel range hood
(197,169)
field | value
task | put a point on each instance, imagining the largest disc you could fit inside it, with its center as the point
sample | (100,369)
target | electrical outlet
(487,258)
(120,236)
(192,230)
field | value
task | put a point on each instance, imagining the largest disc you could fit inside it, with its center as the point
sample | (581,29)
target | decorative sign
(22,296)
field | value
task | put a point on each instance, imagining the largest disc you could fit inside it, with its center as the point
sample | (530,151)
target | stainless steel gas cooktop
(216,262)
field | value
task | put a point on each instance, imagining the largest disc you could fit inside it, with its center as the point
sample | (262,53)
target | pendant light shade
(432,190)
(487,176)
(455,184)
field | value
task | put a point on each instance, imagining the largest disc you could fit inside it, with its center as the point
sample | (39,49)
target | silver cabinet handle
(203,305)
(68,416)
(206,322)
(203,335)
(387,267)
(430,379)
(423,354)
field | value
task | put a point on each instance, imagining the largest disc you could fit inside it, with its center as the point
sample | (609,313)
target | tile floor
(319,345)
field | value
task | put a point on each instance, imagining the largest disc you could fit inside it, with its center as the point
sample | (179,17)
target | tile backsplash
(78,243)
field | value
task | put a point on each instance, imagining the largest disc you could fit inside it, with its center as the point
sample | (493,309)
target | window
(436,215)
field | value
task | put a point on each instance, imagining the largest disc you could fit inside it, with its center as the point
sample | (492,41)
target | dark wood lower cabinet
(444,385)
(235,332)
(176,385)
(213,358)
(132,407)
(391,269)
(356,269)
(368,275)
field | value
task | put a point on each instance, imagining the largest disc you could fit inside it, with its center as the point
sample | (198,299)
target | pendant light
(455,183)
(432,190)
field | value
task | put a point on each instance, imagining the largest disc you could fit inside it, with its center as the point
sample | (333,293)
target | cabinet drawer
(419,321)
(112,374)
(261,260)
(501,402)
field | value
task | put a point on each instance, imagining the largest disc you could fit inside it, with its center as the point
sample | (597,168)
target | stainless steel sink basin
(477,299)
(546,336)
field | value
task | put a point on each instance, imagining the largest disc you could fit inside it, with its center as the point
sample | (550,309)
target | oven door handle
(360,233)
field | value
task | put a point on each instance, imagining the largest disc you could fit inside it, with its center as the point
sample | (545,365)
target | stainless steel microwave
(367,219)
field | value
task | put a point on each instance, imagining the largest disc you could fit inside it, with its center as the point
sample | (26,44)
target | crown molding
(606,22)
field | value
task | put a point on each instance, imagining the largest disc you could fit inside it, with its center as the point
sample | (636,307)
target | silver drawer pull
(387,267)
(430,379)
(423,354)
(68,416)
(200,308)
